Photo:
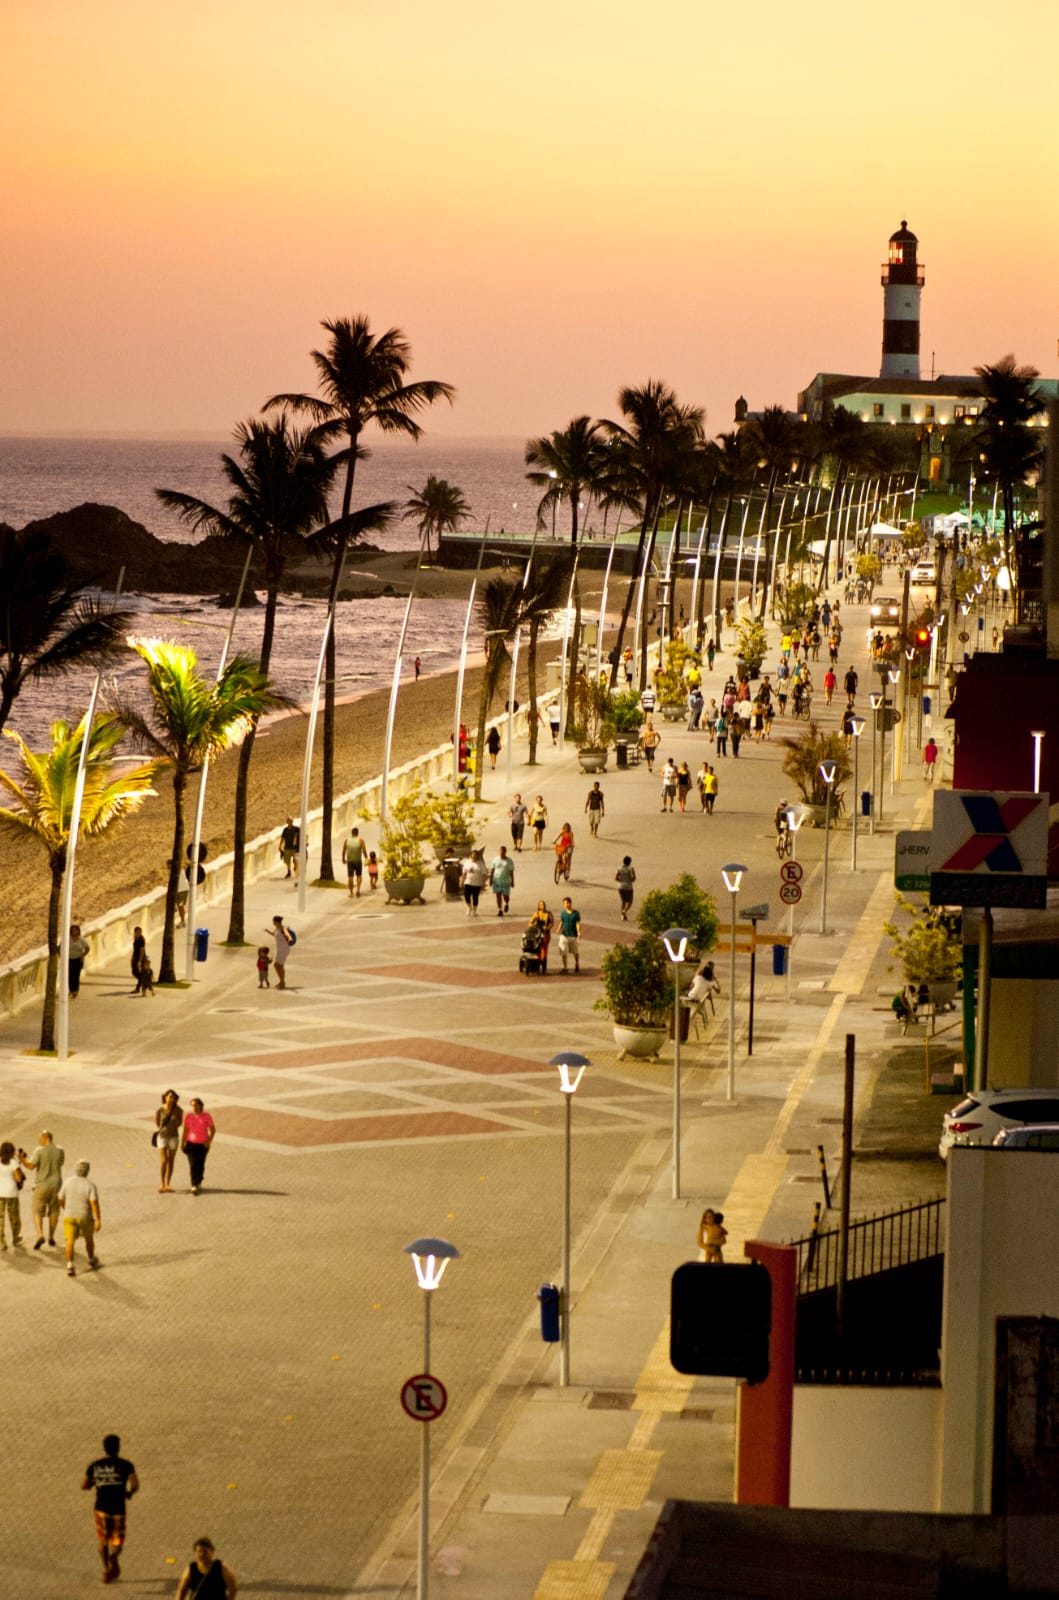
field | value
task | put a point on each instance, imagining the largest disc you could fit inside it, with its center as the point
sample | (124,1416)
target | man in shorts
(669,784)
(353,856)
(47,1162)
(625,877)
(79,1200)
(518,812)
(570,934)
(115,1482)
(290,845)
(595,808)
(650,739)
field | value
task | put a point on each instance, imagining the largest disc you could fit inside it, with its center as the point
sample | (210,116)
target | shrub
(638,989)
(683,905)
(929,949)
(802,765)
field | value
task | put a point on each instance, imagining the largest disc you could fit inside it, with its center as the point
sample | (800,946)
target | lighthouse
(902,281)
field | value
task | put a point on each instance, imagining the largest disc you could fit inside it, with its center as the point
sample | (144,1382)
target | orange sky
(550,199)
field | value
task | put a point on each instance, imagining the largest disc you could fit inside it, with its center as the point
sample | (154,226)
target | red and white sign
(791,872)
(424,1397)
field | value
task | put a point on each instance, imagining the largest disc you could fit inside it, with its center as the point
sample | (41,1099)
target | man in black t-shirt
(114,1481)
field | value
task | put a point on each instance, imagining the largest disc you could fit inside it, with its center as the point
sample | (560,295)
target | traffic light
(922,640)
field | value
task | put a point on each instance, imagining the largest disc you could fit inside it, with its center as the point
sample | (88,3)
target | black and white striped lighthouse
(902,281)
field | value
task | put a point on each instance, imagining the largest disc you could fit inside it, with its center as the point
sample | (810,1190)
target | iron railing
(876,1244)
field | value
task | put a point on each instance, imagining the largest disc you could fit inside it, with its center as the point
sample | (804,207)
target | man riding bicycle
(784,841)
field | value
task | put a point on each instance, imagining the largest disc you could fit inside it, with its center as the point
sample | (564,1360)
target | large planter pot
(458,849)
(404,889)
(815,816)
(593,758)
(643,1043)
(674,713)
(752,669)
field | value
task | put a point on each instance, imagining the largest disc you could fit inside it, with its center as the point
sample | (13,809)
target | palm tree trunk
(648,557)
(51,981)
(623,621)
(327,870)
(167,967)
(237,913)
(531,675)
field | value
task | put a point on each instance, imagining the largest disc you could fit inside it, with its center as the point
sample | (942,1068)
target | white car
(984,1113)
(924,575)
(885,609)
(1042,1136)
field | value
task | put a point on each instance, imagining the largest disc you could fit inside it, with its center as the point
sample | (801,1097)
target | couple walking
(193,1134)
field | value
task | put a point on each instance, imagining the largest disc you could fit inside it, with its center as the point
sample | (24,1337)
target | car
(983,1113)
(1042,1136)
(885,609)
(924,574)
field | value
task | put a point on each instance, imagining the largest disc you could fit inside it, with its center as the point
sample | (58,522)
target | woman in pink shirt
(199,1130)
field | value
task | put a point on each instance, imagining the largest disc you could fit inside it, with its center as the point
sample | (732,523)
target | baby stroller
(529,961)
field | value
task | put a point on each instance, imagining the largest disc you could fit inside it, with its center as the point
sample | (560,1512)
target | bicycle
(784,843)
(563,860)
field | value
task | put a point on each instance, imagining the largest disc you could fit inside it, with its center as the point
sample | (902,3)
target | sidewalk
(400,1089)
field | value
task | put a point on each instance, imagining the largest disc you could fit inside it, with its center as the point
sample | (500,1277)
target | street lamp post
(1037,735)
(857,727)
(571,1070)
(430,1257)
(733,877)
(794,821)
(676,943)
(827,772)
(875,701)
(894,676)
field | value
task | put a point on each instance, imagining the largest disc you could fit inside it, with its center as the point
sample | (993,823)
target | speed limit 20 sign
(790,893)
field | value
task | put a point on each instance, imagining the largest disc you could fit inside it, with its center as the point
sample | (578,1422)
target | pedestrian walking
(502,879)
(285,939)
(695,705)
(830,684)
(199,1131)
(46,1163)
(711,651)
(207,1577)
(473,874)
(168,1121)
(373,871)
(146,979)
(11,1180)
(736,734)
(138,957)
(553,720)
(290,846)
(115,1482)
(79,1200)
(721,730)
(492,744)
(538,818)
(595,808)
(570,934)
(264,961)
(669,784)
(78,952)
(650,739)
(418,667)
(930,759)
(683,785)
(849,685)
(353,856)
(625,877)
(542,922)
(710,788)
(517,812)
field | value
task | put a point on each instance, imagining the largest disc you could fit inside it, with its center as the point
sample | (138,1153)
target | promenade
(250,1343)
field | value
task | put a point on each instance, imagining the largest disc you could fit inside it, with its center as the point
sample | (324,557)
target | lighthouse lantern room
(902,281)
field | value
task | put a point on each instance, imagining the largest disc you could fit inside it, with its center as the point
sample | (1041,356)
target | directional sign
(791,872)
(911,861)
(790,893)
(989,849)
(424,1397)
(755,913)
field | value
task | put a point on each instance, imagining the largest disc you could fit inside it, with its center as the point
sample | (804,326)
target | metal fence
(876,1244)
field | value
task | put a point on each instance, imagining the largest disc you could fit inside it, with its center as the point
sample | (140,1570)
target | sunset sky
(550,199)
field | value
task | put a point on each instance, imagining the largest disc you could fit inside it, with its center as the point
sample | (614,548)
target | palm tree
(772,439)
(657,429)
(843,436)
(1010,451)
(546,592)
(500,612)
(440,508)
(48,624)
(279,496)
(43,796)
(191,721)
(362,383)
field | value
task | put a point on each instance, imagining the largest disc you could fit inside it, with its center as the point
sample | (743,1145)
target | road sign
(424,1397)
(790,893)
(911,861)
(791,872)
(989,849)
(963,637)
(755,913)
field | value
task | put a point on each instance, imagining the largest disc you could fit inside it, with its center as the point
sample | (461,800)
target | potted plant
(929,949)
(592,722)
(404,865)
(794,606)
(751,646)
(683,905)
(448,822)
(638,993)
(802,765)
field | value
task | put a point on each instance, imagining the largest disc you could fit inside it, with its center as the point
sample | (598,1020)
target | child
(712,1235)
(264,961)
(373,871)
(145,979)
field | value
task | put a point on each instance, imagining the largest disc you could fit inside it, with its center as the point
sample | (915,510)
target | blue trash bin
(865,802)
(202,943)
(548,1295)
(779,960)
(926,705)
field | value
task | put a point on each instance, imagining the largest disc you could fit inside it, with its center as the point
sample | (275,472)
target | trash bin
(202,943)
(548,1295)
(621,752)
(452,869)
(685,1023)
(865,802)
(926,705)
(779,960)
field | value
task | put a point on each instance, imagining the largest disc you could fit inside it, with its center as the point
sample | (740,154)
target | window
(930,413)
(906,413)
(878,409)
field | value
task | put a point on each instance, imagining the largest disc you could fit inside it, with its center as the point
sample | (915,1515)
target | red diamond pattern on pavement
(436,1052)
(279,1127)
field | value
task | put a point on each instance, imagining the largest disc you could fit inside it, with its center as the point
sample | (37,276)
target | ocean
(40,476)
